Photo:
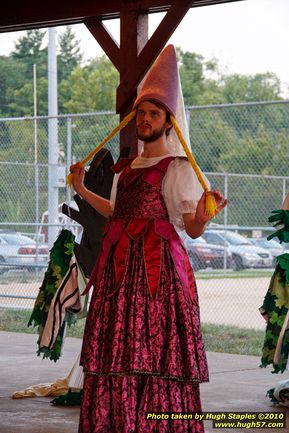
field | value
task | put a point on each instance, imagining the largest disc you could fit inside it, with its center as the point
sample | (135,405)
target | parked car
(244,253)
(19,251)
(200,254)
(203,255)
(272,246)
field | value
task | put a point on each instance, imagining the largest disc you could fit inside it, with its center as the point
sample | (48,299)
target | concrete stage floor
(237,384)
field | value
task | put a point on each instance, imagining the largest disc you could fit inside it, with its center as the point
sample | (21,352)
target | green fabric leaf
(281,218)
(60,255)
(71,398)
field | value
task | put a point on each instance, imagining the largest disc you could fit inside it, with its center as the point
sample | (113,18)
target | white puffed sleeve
(181,191)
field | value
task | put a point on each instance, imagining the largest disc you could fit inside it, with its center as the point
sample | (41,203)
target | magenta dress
(142,348)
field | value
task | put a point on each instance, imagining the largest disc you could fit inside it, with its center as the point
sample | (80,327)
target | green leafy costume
(276,302)
(60,256)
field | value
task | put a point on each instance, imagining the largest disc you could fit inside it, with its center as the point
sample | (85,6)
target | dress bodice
(139,192)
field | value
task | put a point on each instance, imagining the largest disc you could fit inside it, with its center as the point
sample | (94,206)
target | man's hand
(78,173)
(201,217)
(195,223)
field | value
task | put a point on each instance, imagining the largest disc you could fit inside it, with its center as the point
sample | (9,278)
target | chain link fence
(242,148)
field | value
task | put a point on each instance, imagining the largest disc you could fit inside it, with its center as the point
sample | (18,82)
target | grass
(20,277)
(231,339)
(246,273)
(16,321)
(217,338)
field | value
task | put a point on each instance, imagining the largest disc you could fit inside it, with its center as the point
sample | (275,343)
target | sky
(247,37)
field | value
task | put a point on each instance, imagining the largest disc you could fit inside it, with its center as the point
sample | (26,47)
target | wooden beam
(105,40)
(151,50)
(133,37)
(31,13)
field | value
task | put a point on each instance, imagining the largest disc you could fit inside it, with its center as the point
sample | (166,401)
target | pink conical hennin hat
(161,83)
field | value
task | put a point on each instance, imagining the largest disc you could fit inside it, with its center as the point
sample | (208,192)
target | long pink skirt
(122,404)
(141,354)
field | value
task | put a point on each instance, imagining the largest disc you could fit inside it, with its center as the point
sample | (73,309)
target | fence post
(52,139)
(225,219)
(68,156)
(284,192)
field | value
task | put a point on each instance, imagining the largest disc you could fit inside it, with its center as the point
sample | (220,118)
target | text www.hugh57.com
(249,424)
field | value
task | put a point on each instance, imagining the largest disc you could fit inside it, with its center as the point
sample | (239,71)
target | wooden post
(136,53)
(133,37)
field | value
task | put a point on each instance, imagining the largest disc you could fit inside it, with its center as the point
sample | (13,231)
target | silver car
(19,251)
(244,253)
(272,246)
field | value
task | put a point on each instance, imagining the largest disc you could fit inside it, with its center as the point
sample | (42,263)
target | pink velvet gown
(142,347)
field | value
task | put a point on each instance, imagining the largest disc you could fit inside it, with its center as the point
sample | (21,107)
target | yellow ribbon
(210,205)
(82,163)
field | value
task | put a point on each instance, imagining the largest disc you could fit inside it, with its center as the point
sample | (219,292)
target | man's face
(151,122)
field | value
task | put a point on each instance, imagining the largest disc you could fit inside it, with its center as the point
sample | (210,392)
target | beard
(153,136)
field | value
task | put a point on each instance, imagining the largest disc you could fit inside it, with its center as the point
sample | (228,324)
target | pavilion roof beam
(105,40)
(30,14)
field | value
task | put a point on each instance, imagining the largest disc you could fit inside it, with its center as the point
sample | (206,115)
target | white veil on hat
(173,141)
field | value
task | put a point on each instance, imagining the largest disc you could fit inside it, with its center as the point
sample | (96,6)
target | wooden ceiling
(27,14)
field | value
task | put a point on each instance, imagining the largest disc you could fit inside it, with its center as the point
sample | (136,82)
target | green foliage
(89,132)
(70,55)
(210,136)
(29,45)
(23,100)
(262,151)
(29,51)
(231,339)
(92,87)
(192,76)
(247,88)
(11,75)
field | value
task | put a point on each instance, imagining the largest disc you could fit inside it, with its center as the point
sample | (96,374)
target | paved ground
(236,384)
(233,301)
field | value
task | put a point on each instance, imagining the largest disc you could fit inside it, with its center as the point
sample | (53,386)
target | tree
(200,79)
(12,72)
(28,49)
(210,136)
(191,75)
(92,87)
(70,54)
(266,152)
(22,99)
(248,88)
(19,92)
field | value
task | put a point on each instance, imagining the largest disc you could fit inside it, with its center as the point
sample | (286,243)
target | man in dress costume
(142,348)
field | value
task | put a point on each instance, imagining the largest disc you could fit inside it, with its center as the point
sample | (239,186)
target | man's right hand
(78,173)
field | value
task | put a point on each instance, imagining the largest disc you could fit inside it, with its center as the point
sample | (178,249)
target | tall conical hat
(161,83)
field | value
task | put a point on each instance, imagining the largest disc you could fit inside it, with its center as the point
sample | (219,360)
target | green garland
(276,304)
(60,256)
(281,219)
(276,301)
